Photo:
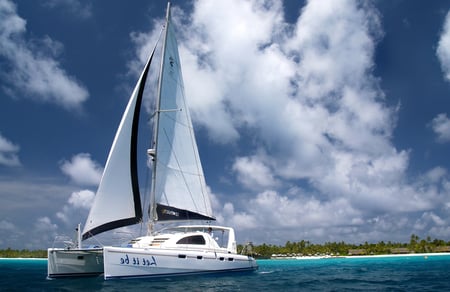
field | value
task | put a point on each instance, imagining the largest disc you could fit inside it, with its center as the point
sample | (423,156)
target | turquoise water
(418,273)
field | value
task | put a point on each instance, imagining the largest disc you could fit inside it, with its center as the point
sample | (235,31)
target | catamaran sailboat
(178,191)
(73,260)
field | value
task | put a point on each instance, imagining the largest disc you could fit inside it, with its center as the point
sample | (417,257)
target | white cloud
(306,95)
(32,69)
(436,174)
(233,55)
(82,199)
(299,215)
(44,224)
(43,233)
(326,125)
(10,234)
(239,219)
(82,169)
(441,127)
(427,220)
(37,200)
(8,152)
(292,84)
(443,48)
(77,207)
(253,173)
(6,225)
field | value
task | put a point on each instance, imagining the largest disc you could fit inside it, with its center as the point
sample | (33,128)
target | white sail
(179,188)
(179,184)
(117,202)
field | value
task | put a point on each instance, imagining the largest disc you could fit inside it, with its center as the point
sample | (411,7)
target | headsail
(117,202)
(179,187)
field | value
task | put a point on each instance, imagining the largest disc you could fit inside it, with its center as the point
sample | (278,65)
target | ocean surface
(406,273)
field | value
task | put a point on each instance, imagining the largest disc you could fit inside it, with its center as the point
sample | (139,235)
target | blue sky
(322,120)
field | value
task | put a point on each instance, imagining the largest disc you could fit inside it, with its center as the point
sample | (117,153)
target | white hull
(126,262)
(74,262)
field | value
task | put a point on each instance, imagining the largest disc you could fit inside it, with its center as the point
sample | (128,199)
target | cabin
(400,250)
(441,249)
(194,237)
(356,252)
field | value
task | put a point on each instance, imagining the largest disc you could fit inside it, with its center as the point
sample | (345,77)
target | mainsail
(117,202)
(179,188)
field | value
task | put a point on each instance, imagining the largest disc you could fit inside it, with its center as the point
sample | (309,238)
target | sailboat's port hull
(74,262)
(123,262)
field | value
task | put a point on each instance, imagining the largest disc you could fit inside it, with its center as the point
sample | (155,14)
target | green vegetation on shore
(24,253)
(304,247)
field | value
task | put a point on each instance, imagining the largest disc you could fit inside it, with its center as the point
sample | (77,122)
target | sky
(315,120)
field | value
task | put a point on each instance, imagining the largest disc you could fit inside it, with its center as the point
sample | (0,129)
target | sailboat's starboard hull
(74,262)
(123,262)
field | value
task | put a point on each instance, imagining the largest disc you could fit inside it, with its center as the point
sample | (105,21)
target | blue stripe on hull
(66,275)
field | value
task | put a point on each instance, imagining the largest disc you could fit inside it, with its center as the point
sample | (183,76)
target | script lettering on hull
(138,261)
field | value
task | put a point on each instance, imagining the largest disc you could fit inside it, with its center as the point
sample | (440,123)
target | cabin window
(195,239)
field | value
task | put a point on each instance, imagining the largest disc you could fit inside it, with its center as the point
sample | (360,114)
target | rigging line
(188,124)
(174,120)
(178,170)
(181,170)
(96,239)
(194,146)
(199,173)
(180,83)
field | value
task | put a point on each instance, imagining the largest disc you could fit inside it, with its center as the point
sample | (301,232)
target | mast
(153,217)
(79,238)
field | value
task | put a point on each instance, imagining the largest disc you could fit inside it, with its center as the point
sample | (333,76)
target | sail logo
(170,212)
